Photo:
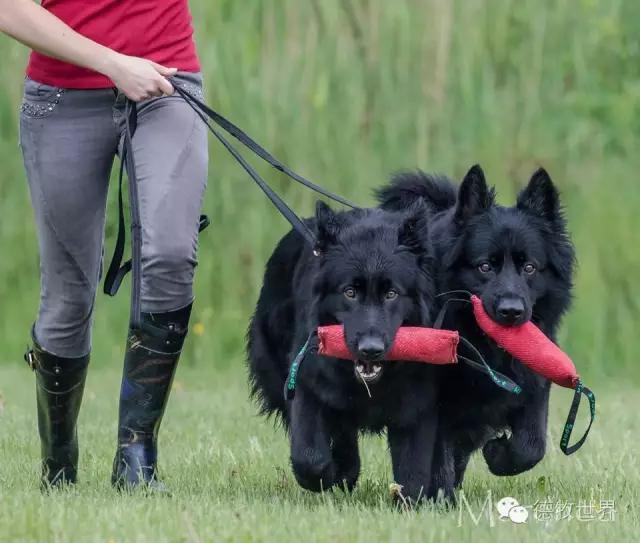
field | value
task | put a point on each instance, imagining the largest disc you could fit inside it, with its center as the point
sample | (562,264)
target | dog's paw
(497,454)
(347,463)
(348,480)
(504,433)
(317,476)
(505,457)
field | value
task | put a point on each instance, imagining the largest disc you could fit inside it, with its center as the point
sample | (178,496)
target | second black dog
(519,260)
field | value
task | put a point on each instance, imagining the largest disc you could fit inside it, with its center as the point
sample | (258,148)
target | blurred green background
(347,92)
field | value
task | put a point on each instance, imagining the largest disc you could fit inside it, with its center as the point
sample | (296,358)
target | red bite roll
(412,343)
(528,344)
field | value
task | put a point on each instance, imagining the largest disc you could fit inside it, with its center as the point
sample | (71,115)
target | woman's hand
(139,79)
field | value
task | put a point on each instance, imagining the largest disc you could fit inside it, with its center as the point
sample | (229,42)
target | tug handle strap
(534,349)
(571,419)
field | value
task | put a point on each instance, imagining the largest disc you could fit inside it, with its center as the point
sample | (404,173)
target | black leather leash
(117,271)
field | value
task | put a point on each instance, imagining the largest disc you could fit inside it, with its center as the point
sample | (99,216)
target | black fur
(375,253)
(485,248)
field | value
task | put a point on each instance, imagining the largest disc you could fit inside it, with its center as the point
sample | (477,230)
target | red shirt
(159,30)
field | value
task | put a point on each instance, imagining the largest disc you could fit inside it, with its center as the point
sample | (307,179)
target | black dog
(371,273)
(519,261)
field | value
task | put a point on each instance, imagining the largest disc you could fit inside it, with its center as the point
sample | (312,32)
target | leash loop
(131,119)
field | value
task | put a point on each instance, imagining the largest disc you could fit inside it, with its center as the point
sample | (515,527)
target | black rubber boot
(149,366)
(59,388)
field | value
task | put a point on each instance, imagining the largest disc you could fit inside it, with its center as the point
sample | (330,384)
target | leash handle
(116,273)
(571,419)
(131,121)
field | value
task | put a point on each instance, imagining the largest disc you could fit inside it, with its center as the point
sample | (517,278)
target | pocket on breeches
(39,99)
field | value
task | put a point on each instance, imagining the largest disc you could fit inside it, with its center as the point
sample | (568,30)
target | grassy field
(347,92)
(231,481)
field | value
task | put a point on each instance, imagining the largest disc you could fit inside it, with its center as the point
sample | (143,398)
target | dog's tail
(406,187)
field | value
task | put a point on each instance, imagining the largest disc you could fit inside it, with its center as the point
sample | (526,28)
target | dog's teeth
(368,371)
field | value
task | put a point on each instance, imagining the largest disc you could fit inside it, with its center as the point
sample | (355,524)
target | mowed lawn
(231,481)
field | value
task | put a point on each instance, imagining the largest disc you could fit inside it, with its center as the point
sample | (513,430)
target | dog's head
(373,277)
(513,258)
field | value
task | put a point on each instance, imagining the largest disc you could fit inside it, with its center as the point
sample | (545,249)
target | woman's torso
(159,30)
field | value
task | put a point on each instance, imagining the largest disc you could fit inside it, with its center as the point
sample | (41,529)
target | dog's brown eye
(349,292)
(485,267)
(529,268)
(391,295)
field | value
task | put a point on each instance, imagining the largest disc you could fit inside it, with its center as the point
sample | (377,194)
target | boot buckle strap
(30,359)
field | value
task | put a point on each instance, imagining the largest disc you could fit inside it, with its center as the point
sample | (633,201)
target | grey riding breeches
(69,139)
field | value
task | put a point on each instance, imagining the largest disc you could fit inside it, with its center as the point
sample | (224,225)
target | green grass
(229,473)
(346,92)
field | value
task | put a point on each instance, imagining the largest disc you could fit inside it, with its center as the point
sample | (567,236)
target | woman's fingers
(166,88)
(163,70)
(140,79)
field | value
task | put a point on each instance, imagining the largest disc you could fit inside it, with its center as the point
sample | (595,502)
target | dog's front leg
(443,469)
(345,452)
(411,456)
(510,455)
(311,457)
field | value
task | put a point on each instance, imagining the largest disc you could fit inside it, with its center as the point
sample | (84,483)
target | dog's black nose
(510,310)
(370,348)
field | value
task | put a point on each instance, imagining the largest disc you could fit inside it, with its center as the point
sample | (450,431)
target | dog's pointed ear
(540,196)
(473,195)
(414,232)
(327,227)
